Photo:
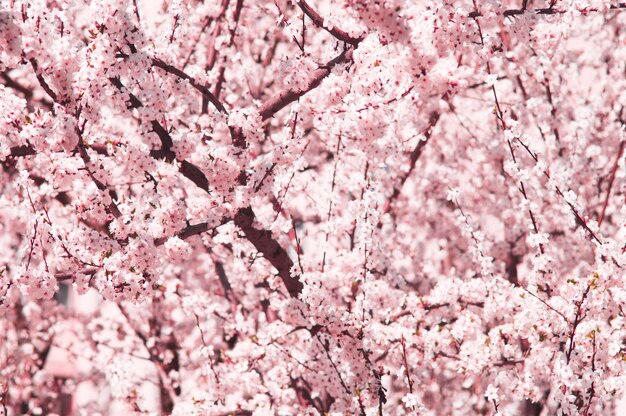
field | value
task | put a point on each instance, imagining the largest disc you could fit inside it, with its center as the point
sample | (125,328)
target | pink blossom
(289,207)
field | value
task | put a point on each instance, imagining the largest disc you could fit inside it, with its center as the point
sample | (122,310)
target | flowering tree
(313,207)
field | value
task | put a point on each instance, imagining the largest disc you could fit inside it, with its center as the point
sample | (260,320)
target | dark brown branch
(272,251)
(81,147)
(62,277)
(192,81)
(133,100)
(164,136)
(326,348)
(187,169)
(42,81)
(136,12)
(157,127)
(212,54)
(191,230)
(288,96)
(20,151)
(319,22)
(546,304)
(268,171)
(11,83)
(228,289)
(194,174)
(406,365)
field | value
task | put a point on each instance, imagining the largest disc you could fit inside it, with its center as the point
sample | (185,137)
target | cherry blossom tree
(372,207)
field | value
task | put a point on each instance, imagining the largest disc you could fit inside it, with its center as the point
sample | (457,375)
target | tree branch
(548,11)
(187,169)
(42,81)
(262,240)
(415,155)
(26,92)
(192,81)
(20,151)
(288,96)
(620,151)
(319,22)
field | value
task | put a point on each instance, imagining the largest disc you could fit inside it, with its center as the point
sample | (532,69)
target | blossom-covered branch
(289,207)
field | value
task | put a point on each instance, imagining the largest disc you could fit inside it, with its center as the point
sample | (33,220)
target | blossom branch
(26,92)
(288,96)
(579,219)
(549,10)
(406,365)
(272,251)
(415,155)
(168,392)
(113,208)
(261,239)
(42,81)
(222,69)
(319,22)
(578,317)
(186,168)
(192,81)
(620,152)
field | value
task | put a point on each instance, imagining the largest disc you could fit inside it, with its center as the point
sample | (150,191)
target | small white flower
(570,197)
(453,194)
(536,239)
(491,79)
(207,351)
(492,393)
(411,400)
